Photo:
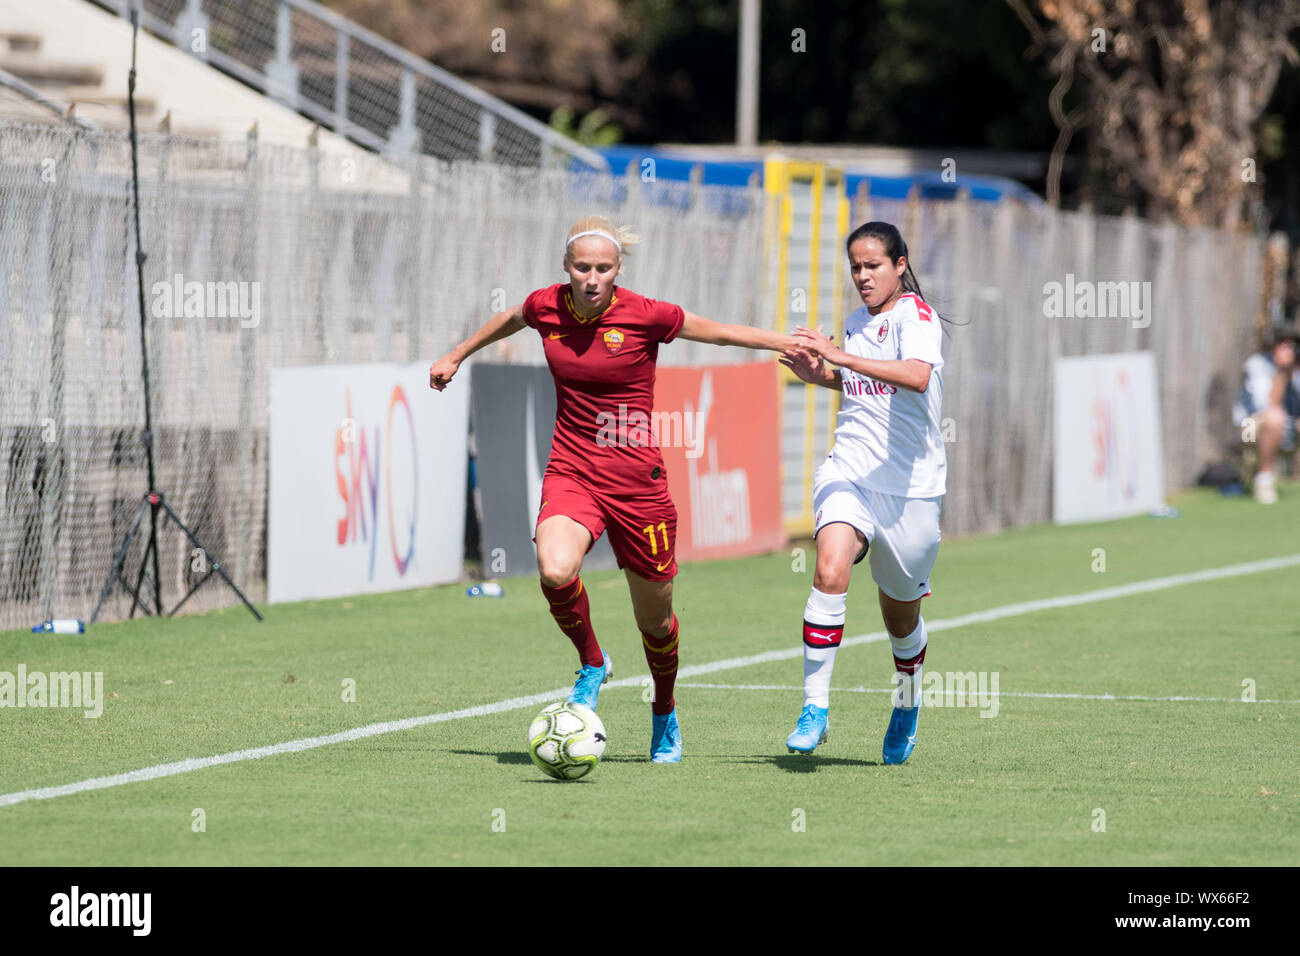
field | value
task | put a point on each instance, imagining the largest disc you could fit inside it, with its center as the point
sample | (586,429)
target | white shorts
(902,533)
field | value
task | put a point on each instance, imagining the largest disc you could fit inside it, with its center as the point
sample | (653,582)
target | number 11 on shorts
(650,530)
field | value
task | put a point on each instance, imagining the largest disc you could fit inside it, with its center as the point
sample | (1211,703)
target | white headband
(596,232)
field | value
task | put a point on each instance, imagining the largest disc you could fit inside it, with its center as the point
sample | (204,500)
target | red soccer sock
(571,611)
(661,655)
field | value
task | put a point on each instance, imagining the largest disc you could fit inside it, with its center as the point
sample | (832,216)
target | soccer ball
(566,740)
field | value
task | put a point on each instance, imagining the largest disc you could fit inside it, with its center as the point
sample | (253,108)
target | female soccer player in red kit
(601,343)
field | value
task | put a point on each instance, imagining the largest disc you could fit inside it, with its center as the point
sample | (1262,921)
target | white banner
(1108,458)
(367,484)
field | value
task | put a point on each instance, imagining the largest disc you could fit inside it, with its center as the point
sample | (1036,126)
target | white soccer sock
(907,693)
(828,611)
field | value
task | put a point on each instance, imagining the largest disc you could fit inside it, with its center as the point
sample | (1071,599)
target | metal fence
(986,266)
(354,81)
(313,259)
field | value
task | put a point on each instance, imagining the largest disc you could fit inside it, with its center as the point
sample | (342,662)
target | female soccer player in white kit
(879,491)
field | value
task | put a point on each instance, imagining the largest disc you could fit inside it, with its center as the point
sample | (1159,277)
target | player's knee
(555,570)
(832,577)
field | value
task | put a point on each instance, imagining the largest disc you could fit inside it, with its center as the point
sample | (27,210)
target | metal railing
(33,95)
(353,81)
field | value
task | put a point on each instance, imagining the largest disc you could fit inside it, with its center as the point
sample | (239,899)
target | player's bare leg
(652,606)
(901,617)
(907,638)
(562,543)
(838,546)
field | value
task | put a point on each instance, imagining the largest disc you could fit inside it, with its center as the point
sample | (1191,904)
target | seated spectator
(1269,404)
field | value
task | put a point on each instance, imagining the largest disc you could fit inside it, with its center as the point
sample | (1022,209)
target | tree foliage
(548,53)
(1161,119)
(1173,94)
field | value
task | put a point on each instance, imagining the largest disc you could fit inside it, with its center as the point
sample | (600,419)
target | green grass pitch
(1206,781)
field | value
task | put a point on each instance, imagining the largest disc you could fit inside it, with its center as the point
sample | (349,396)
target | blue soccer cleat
(900,738)
(810,731)
(665,738)
(587,687)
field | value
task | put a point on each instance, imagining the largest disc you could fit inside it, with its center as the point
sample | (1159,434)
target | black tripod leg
(216,565)
(157,578)
(225,577)
(202,581)
(118,562)
(139,579)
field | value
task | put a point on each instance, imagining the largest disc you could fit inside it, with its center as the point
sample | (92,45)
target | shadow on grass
(517,758)
(790,763)
(805,763)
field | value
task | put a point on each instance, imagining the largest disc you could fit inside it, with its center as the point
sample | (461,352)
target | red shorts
(642,528)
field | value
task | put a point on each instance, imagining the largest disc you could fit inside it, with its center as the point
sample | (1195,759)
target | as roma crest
(613,340)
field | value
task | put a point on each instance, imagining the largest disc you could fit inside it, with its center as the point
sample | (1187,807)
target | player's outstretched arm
(697,328)
(500,326)
(911,374)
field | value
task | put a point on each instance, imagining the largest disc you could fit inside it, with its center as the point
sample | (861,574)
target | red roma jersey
(604,370)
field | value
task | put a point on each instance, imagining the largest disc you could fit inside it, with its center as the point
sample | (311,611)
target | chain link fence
(262,256)
(1192,297)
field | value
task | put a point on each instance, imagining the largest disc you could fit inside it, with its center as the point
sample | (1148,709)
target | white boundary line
(159,771)
(1006,693)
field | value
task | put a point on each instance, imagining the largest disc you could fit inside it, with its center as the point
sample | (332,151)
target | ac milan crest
(884,330)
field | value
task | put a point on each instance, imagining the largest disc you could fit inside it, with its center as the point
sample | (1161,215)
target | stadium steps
(76,54)
(358,83)
(19,42)
(52,76)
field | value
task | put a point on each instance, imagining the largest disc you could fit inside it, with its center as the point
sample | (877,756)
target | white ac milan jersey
(887,437)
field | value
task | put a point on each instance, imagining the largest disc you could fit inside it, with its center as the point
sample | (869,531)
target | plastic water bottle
(486,589)
(61,625)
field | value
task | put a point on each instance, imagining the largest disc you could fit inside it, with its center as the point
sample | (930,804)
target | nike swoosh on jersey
(660,567)
(558,335)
